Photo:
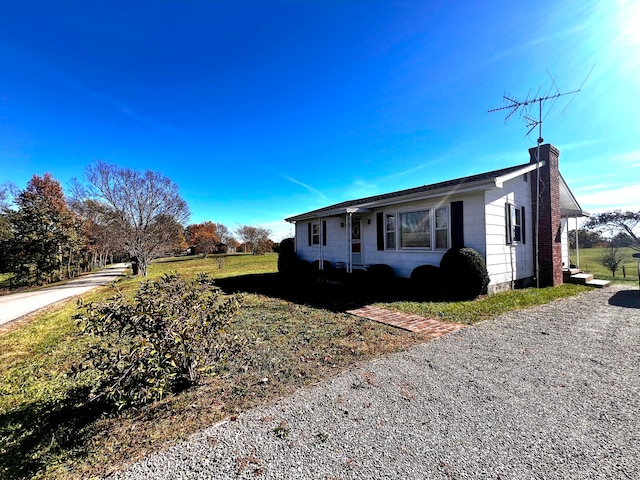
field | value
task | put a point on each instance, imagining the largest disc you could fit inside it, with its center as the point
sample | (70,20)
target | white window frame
(390,230)
(513,219)
(396,229)
(315,233)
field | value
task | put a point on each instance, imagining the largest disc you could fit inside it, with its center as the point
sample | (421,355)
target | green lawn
(295,337)
(487,307)
(589,263)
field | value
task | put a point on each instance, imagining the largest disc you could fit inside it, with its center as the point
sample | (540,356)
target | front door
(356,241)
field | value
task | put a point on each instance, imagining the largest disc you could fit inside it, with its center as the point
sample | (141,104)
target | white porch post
(577,245)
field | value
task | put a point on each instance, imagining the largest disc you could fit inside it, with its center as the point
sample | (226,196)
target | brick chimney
(550,229)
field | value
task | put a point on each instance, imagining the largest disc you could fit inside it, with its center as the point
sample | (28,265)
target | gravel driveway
(551,393)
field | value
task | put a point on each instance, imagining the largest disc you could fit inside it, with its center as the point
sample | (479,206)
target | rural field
(589,263)
(293,336)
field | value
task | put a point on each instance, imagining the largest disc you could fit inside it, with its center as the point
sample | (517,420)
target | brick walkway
(406,321)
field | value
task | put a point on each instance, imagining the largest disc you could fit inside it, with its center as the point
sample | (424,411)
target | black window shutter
(324,232)
(309,232)
(380,229)
(523,223)
(507,223)
(457,224)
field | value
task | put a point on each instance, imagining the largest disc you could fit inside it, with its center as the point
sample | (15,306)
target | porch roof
(569,206)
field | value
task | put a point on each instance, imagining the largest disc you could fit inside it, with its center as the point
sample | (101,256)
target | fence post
(637,255)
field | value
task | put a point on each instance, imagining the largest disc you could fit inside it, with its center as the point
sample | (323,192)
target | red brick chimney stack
(549,227)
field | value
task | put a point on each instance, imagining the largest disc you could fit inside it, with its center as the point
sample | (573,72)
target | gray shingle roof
(448,184)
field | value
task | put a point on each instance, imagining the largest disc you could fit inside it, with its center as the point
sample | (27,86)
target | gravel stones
(551,392)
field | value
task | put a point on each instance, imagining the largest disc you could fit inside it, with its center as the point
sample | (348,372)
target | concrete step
(580,278)
(598,283)
(571,271)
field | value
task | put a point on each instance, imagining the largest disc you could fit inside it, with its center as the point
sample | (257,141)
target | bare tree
(226,236)
(147,208)
(611,258)
(256,239)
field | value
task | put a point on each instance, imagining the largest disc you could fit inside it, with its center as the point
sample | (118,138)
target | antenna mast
(525,107)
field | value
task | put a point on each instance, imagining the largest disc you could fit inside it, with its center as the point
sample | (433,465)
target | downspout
(348,233)
(322,236)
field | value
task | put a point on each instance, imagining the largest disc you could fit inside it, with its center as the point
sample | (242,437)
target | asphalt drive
(17,305)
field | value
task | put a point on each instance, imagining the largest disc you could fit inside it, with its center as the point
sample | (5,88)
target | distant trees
(103,238)
(226,236)
(616,221)
(146,208)
(203,237)
(255,239)
(586,238)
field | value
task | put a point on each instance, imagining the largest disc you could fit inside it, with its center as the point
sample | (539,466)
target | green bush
(464,272)
(174,331)
(288,264)
(327,268)
(380,273)
(288,245)
(427,281)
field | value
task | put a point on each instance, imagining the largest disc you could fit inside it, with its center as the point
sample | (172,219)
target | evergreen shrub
(464,273)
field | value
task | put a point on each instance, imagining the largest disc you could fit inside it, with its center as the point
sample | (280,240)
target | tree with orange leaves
(204,237)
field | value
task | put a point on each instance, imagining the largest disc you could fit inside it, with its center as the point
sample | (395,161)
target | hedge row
(462,273)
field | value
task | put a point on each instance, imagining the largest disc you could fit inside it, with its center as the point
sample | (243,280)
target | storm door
(356,241)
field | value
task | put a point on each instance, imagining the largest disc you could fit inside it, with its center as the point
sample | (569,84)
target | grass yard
(487,307)
(296,335)
(47,430)
(589,263)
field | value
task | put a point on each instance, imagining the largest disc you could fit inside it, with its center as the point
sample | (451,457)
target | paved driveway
(16,305)
(546,393)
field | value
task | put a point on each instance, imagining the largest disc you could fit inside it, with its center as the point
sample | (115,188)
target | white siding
(404,261)
(508,263)
(336,248)
(484,231)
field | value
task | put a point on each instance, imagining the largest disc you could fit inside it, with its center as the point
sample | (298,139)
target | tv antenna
(524,109)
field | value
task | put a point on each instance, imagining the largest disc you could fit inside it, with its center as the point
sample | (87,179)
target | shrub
(174,331)
(327,268)
(380,273)
(288,245)
(464,272)
(427,280)
(288,263)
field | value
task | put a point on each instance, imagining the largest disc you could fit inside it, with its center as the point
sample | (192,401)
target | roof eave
(481,185)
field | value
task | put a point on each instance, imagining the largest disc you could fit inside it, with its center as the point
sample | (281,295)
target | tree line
(115,214)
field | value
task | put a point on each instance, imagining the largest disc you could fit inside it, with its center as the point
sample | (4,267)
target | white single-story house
(495,213)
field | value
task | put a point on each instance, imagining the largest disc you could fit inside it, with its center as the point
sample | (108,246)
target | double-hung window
(315,234)
(515,226)
(442,228)
(390,232)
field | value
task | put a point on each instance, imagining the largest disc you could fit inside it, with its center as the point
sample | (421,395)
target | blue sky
(260,110)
